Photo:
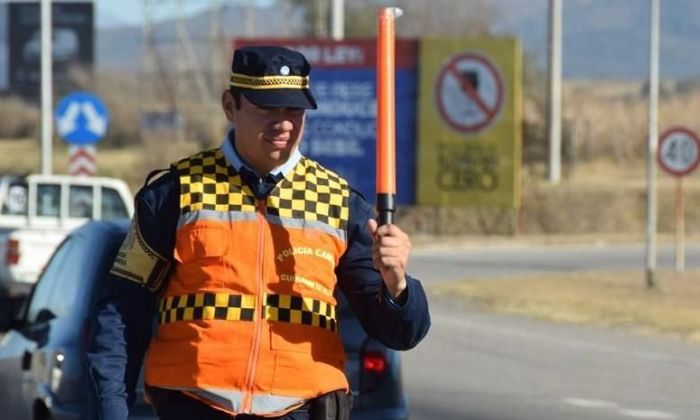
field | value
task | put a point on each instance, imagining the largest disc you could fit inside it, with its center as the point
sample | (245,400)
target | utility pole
(555,91)
(652,145)
(338,20)
(46,89)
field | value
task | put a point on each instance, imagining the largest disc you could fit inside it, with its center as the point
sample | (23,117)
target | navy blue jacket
(123,321)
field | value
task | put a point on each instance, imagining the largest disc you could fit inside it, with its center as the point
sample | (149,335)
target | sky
(115,12)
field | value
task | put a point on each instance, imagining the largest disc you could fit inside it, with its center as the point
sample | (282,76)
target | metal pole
(653,141)
(338,20)
(555,13)
(680,226)
(46,89)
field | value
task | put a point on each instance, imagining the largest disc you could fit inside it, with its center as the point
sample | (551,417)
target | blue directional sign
(81,118)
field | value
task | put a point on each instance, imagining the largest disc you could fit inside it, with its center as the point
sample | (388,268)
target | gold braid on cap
(269,82)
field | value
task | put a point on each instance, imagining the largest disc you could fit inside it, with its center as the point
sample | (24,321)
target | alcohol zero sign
(469,92)
(679,151)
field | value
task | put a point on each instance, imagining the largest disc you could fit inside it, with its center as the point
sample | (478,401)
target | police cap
(271,76)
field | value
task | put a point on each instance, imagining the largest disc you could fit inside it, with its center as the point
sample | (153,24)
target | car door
(22,350)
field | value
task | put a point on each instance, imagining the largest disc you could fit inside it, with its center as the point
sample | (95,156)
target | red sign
(469,92)
(82,160)
(679,151)
(353,53)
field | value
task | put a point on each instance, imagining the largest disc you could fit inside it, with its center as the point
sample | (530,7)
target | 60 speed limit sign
(679,151)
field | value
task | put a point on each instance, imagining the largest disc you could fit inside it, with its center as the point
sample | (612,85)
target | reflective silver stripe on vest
(268,404)
(217,216)
(233,400)
(222,216)
(307,224)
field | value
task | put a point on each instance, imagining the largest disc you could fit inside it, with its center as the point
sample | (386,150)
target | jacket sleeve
(122,323)
(399,324)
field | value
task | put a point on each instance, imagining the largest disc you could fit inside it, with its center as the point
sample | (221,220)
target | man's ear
(228,104)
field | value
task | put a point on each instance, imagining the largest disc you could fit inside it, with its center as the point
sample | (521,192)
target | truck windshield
(14,203)
(113,205)
(48,200)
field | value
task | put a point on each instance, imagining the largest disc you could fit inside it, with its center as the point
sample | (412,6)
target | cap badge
(284,71)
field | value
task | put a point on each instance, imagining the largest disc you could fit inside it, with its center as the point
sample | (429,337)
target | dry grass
(618,300)
(609,119)
(24,156)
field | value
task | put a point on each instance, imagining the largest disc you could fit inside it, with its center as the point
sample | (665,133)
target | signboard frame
(668,135)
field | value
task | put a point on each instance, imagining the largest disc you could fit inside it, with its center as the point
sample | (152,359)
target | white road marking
(647,414)
(588,403)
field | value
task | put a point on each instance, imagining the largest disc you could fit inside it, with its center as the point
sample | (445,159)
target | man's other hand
(390,249)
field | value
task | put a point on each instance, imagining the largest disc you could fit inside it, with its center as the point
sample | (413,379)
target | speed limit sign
(679,151)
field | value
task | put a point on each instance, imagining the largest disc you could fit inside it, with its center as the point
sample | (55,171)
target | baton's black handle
(386,207)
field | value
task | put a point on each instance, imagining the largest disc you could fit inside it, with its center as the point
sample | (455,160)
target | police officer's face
(265,137)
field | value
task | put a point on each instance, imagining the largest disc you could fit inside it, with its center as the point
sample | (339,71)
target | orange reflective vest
(248,320)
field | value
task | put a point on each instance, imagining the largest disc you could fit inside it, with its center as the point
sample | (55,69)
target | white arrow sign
(95,123)
(67,123)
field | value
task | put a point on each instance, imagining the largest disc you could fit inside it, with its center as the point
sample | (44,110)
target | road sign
(81,118)
(679,151)
(82,160)
(469,92)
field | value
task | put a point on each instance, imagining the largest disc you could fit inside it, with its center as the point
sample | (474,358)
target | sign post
(82,120)
(679,155)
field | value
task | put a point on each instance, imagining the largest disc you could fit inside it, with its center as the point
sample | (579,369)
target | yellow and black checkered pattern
(301,310)
(269,82)
(314,193)
(311,192)
(227,307)
(207,306)
(207,182)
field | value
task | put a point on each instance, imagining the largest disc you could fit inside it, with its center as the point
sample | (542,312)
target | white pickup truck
(38,211)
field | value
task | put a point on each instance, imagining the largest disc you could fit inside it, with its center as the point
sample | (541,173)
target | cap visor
(281,98)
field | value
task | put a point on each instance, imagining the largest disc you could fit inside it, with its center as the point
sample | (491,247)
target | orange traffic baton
(386,115)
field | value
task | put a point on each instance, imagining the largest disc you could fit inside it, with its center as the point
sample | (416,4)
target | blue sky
(111,12)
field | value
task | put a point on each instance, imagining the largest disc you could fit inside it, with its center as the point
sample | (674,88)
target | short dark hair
(236,93)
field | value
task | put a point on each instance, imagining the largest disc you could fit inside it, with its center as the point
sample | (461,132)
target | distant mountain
(119,48)
(602,38)
(609,38)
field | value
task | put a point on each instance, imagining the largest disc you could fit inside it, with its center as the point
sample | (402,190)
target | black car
(42,369)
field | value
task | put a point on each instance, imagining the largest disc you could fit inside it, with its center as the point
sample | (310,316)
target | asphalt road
(472,262)
(477,366)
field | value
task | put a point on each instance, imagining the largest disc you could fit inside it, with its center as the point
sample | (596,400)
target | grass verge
(619,300)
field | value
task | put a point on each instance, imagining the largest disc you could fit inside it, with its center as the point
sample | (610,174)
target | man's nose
(283,124)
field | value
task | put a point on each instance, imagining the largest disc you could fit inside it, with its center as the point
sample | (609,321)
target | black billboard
(72,39)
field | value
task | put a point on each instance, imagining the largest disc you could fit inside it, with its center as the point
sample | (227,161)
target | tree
(453,18)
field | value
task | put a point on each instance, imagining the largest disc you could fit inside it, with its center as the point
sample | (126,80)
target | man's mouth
(280,140)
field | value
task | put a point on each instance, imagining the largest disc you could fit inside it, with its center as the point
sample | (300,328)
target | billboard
(469,144)
(72,38)
(341,133)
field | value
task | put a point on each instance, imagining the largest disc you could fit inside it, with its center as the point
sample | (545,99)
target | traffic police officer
(237,252)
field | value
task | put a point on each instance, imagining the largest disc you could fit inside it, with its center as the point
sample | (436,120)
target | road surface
(479,366)
(476,366)
(463,263)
